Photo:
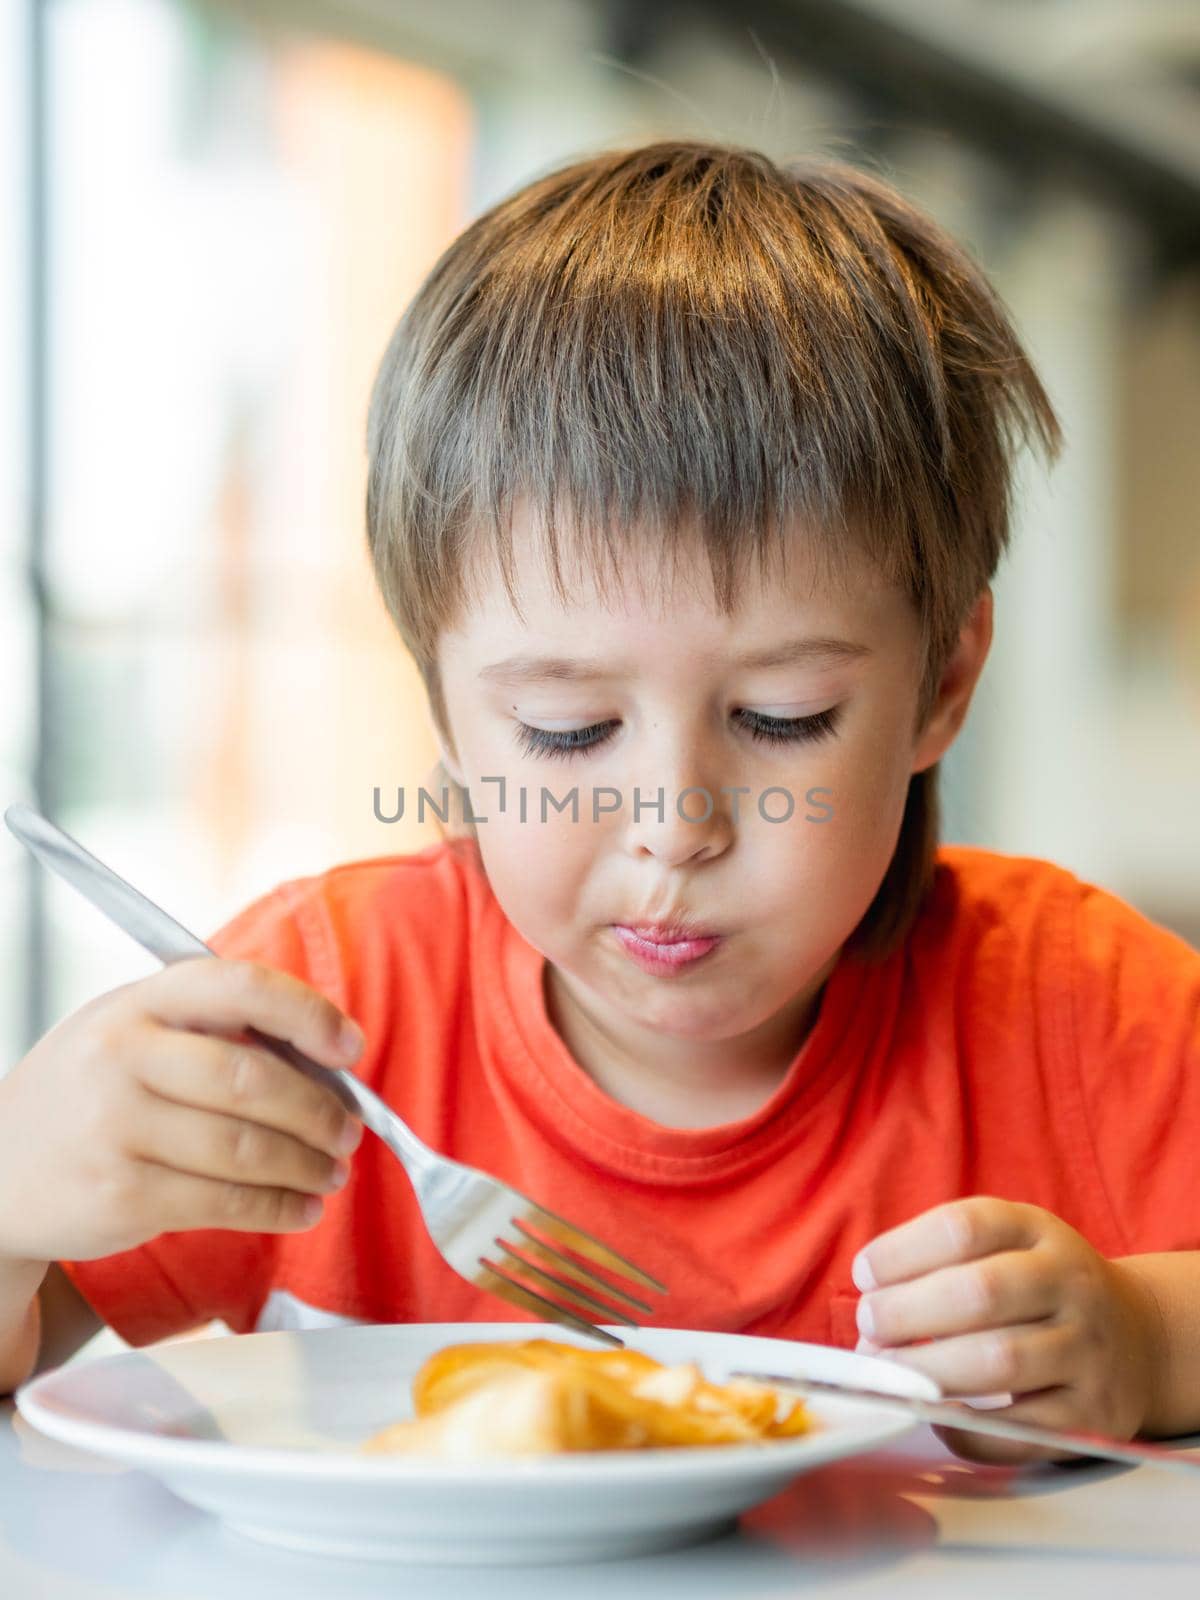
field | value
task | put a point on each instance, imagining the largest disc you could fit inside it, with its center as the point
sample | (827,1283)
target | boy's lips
(668,932)
(649,947)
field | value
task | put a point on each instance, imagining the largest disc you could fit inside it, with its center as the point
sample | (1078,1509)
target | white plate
(262,1430)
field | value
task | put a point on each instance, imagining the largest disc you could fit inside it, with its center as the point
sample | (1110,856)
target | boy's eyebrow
(796,652)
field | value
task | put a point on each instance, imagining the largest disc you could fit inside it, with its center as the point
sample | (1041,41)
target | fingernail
(350,1040)
(865,1317)
(860,1273)
(341,1171)
(350,1137)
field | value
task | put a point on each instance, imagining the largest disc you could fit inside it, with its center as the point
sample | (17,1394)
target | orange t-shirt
(1035,1038)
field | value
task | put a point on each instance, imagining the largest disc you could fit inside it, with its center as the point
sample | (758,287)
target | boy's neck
(682,1083)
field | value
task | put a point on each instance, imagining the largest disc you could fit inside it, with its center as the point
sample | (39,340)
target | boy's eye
(539,742)
(790,730)
(769,730)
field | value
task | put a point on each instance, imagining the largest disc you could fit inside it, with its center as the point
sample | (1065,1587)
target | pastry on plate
(543,1397)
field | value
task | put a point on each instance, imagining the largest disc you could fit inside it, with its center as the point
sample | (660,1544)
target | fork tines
(549,1278)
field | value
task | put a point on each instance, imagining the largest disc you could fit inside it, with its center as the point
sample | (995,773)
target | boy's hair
(689,339)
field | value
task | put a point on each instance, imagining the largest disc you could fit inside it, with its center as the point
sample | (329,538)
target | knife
(946,1415)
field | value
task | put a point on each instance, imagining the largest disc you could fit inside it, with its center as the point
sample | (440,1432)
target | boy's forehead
(651,581)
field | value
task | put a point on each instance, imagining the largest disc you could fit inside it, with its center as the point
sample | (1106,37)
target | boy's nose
(676,826)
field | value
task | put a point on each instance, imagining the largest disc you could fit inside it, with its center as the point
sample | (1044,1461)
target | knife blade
(994,1426)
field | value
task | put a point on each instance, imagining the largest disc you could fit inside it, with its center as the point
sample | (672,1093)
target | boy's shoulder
(994,900)
(334,927)
(426,883)
(971,879)
(974,890)
(444,870)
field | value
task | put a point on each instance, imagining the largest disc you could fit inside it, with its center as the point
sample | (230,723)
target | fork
(546,1265)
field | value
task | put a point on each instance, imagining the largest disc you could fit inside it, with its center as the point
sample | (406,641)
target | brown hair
(690,339)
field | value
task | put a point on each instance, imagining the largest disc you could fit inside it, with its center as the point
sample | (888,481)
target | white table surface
(911,1520)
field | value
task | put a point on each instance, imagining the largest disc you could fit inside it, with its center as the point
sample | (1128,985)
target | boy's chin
(679,1016)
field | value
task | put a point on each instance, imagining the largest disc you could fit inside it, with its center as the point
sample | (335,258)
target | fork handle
(170,941)
(362,1102)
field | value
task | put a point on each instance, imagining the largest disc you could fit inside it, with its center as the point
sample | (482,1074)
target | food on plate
(541,1396)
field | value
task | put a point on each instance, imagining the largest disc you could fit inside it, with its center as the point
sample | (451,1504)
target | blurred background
(215,213)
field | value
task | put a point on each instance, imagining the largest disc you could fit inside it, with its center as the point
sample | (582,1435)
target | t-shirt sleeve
(1136,1010)
(178,1281)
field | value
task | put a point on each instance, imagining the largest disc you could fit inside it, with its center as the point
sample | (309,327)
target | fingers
(989,1296)
(961,1230)
(1019,1360)
(229,996)
(243,1082)
(1052,1409)
(163,1200)
(209,1145)
(1015,1286)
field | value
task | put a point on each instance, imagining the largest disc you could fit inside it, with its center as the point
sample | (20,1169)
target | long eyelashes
(768,730)
(537,742)
(790,730)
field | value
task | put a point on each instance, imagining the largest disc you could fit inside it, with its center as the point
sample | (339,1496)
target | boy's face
(667,703)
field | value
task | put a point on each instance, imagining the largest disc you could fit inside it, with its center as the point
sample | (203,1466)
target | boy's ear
(957,685)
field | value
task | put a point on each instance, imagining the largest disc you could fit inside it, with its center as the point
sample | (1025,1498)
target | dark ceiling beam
(905,78)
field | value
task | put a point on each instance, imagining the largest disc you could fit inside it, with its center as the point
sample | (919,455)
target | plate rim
(165,1453)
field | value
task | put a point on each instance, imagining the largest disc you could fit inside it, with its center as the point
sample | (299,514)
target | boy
(688,478)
